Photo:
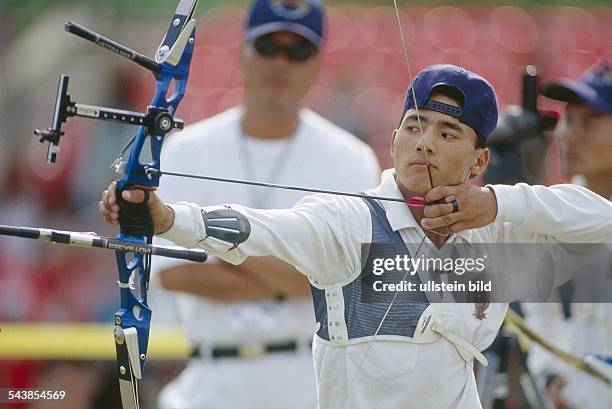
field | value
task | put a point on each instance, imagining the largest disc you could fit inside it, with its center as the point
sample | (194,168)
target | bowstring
(421,142)
(416,107)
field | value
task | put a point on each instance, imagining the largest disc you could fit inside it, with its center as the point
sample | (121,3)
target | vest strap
(431,327)
(466,350)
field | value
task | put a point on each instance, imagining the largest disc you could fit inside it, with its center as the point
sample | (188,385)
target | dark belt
(244,351)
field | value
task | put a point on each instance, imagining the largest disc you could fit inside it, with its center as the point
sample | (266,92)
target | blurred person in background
(251,325)
(585,138)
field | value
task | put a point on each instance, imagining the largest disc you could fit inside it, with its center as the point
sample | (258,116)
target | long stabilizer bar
(92,240)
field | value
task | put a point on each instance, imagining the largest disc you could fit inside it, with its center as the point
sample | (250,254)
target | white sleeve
(321,235)
(560,213)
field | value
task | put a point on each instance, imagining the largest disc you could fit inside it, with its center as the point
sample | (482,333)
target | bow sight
(158,121)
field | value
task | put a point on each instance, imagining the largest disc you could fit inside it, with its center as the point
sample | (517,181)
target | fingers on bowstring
(439,193)
(442,221)
(437,210)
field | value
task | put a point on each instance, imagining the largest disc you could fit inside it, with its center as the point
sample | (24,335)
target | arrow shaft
(90,240)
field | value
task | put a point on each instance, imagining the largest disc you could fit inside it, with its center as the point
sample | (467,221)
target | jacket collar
(399,214)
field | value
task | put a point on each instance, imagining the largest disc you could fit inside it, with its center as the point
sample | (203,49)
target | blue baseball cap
(303,17)
(479,110)
(594,88)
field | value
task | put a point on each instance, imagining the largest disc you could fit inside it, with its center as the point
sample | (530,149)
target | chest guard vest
(344,316)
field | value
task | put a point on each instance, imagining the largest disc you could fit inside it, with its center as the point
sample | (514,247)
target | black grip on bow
(135,218)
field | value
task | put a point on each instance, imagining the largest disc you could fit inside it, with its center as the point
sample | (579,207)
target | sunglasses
(298,52)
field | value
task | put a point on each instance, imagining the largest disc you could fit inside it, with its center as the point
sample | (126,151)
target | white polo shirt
(322,237)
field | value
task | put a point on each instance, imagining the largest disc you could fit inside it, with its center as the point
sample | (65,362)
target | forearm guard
(227,225)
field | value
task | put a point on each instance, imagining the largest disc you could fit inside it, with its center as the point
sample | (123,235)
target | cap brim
(299,29)
(572,91)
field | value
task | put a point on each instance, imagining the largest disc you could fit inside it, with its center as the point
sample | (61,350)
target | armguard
(227,225)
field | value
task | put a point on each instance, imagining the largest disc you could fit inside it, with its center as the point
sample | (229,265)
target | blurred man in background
(248,324)
(585,137)
(585,133)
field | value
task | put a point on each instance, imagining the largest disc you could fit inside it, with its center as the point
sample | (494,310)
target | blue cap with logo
(594,88)
(479,108)
(303,17)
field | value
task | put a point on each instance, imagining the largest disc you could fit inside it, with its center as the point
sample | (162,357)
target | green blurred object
(160,7)
(129,8)
(22,12)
